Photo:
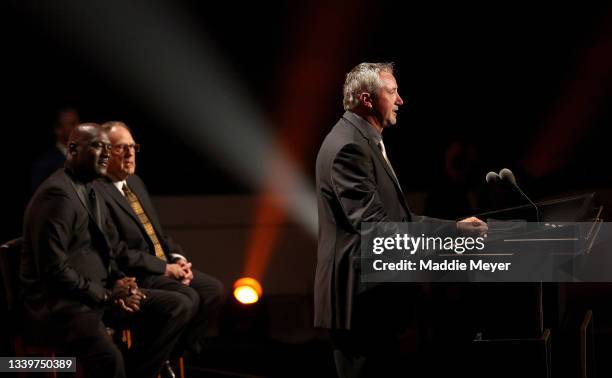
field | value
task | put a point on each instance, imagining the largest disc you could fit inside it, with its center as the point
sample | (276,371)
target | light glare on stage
(247,290)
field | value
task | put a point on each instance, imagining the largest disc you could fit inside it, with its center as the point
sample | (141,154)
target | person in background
(52,160)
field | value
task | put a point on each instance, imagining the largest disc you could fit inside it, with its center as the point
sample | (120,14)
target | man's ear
(72,148)
(366,99)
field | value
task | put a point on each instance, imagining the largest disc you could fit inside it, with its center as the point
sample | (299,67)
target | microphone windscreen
(492,177)
(507,175)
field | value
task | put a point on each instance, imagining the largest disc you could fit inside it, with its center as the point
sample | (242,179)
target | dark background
(489,77)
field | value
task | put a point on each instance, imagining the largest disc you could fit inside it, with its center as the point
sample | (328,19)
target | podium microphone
(492,178)
(507,175)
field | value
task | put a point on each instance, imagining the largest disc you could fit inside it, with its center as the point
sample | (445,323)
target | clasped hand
(180,270)
(126,295)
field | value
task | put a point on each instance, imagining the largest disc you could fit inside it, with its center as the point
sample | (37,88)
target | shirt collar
(366,127)
(119,186)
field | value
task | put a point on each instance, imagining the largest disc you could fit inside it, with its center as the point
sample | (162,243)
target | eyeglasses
(123,148)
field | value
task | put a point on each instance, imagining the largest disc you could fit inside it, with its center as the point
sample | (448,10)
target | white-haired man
(153,257)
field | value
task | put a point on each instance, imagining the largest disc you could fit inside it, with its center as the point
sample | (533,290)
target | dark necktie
(92,202)
(144,220)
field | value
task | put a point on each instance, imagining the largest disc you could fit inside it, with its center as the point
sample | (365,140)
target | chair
(10,257)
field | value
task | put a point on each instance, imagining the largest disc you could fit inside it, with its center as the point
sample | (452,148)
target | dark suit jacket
(139,258)
(67,261)
(354,185)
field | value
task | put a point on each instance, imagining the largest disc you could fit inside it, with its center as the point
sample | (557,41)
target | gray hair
(363,78)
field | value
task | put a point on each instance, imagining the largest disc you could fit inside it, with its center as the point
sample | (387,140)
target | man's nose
(398,100)
(106,150)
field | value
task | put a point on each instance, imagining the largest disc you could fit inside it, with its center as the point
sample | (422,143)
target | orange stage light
(247,290)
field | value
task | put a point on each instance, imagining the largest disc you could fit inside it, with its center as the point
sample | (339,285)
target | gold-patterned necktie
(144,219)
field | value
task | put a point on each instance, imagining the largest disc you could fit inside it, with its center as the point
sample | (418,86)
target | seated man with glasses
(154,259)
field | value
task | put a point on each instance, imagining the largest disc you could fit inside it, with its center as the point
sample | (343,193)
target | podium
(579,208)
(516,320)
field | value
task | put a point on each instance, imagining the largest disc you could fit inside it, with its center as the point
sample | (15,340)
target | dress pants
(156,328)
(374,347)
(205,295)
(81,335)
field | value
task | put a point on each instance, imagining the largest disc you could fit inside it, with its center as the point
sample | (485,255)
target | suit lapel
(84,203)
(96,220)
(387,167)
(378,153)
(121,201)
(125,205)
(145,202)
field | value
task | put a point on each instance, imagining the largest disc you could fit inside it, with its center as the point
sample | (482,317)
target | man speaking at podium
(356,183)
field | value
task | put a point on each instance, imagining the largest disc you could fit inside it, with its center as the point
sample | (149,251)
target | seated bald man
(154,259)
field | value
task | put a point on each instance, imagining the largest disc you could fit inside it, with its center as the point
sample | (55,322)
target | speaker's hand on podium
(472,226)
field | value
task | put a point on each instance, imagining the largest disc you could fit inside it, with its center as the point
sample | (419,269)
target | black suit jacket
(139,259)
(67,261)
(354,185)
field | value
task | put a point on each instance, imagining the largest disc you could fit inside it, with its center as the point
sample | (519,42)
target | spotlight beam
(151,48)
